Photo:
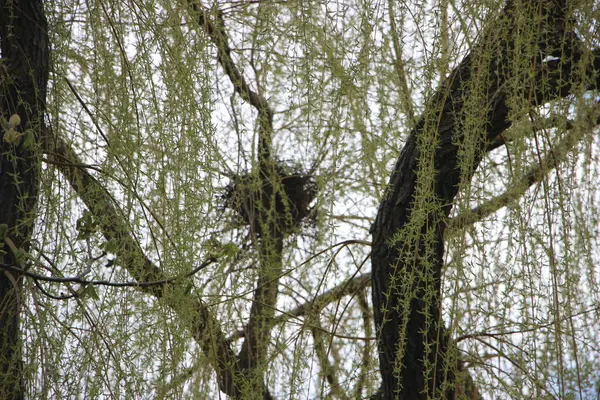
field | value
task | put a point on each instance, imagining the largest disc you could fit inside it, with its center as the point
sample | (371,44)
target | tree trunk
(23,79)
(416,358)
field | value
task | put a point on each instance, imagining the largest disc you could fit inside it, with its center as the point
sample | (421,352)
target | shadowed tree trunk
(23,79)
(416,358)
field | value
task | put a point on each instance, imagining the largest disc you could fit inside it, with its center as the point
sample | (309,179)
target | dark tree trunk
(23,79)
(415,351)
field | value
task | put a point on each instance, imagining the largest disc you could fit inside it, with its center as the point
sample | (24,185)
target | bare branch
(80,280)
(349,287)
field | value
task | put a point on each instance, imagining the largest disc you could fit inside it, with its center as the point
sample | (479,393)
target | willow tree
(23,79)
(208,178)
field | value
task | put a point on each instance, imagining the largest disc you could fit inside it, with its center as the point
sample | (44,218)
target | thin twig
(80,280)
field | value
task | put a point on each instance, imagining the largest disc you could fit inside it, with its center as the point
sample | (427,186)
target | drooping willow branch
(203,325)
(534,175)
(213,24)
(415,351)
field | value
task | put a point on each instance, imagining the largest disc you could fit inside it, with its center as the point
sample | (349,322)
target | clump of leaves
(279,195)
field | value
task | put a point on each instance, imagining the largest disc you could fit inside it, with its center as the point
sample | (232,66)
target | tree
(23,79)
(209,175)
(413,216)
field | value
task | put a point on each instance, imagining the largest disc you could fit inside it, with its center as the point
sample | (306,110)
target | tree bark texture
(416,357)
(23,79)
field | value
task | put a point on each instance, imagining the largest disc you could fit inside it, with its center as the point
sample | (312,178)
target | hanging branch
(204,326)
(534,175)
(81,280)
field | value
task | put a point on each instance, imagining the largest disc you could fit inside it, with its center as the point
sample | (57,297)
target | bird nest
(279,197)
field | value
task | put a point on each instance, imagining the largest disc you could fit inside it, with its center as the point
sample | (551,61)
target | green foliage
(88,291)
(3,233)
(151,127)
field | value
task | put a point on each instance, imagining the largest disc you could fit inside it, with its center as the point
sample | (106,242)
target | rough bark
(23,79)
(416,356)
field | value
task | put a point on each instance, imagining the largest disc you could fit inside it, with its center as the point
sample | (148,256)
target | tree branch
(205,328)
(408,233)
(24,66)
(83,281)
(351,286)
(534,175)
(327,369)
(253,352)
(215,28)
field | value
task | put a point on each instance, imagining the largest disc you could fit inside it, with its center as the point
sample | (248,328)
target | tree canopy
(278,199)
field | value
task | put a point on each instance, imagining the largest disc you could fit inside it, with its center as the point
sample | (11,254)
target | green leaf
(111,246)
(89,291)
(229,249)
(28,140)
(14,120)
(21,257)
(188,289)
(85,225)
(3,233)
(11,136)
